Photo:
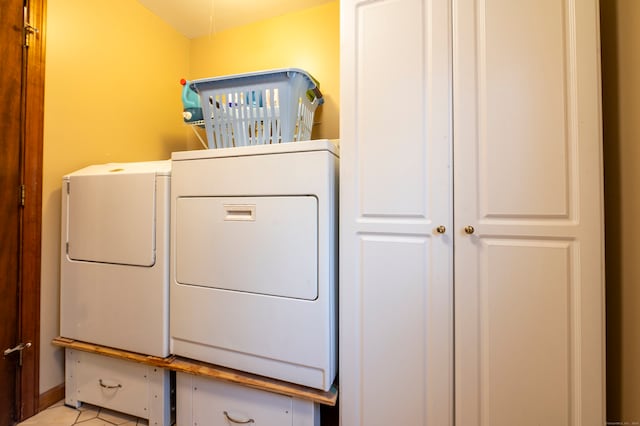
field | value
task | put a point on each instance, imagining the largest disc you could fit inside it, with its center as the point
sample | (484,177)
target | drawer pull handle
(109,386)
(240,422)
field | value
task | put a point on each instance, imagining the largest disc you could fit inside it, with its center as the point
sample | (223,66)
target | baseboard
(50,397)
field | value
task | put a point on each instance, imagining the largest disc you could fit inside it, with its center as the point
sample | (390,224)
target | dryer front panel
(112,218)
(264,245)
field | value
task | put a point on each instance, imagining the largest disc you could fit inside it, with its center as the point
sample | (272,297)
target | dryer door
(111,218)
(263,245)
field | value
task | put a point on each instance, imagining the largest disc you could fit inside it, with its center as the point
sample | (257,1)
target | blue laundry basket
(259,108)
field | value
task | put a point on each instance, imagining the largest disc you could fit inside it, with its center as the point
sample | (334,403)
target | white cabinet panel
(519,316)
(394,273)
(390,92)
(522,107)
(524,320)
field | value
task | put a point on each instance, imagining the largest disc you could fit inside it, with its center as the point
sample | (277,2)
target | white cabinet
(205,401)
(129,387)
(471,256)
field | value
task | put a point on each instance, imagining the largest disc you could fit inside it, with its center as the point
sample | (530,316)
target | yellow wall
(309,39)
(111,95)
(620,36)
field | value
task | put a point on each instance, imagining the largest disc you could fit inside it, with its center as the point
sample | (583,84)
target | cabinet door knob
(469,229)
(441,229)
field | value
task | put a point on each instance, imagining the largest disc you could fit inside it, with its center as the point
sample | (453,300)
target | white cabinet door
(396,359)
(528,178)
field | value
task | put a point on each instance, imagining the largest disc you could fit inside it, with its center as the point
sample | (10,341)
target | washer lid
(161,167)
(111,217)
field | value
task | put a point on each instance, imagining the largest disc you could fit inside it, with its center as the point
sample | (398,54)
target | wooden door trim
(29,376)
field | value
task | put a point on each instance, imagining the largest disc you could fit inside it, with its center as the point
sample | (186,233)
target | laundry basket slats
(265,107)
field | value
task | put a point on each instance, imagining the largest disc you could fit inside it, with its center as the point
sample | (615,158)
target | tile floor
(87,415)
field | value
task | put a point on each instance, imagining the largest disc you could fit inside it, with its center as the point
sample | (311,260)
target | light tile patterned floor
(87,415)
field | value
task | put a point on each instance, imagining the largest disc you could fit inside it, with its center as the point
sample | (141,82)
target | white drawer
(125,386)
(202,401)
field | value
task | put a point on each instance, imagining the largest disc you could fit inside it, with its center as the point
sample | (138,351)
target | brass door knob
(469,229)
(441,229)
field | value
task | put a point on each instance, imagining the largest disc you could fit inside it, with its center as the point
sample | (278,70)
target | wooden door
(10,92)
(528,178)
(396,248)
(21,92)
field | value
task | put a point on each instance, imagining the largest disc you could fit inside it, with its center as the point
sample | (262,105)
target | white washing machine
(253,265)
(114,273)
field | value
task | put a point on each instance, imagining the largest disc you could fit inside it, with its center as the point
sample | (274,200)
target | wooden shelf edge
(198,368)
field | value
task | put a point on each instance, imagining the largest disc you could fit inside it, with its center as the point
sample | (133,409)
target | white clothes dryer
(253,259)
(114,273)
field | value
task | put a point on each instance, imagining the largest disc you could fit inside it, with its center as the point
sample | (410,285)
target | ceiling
(195,18)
